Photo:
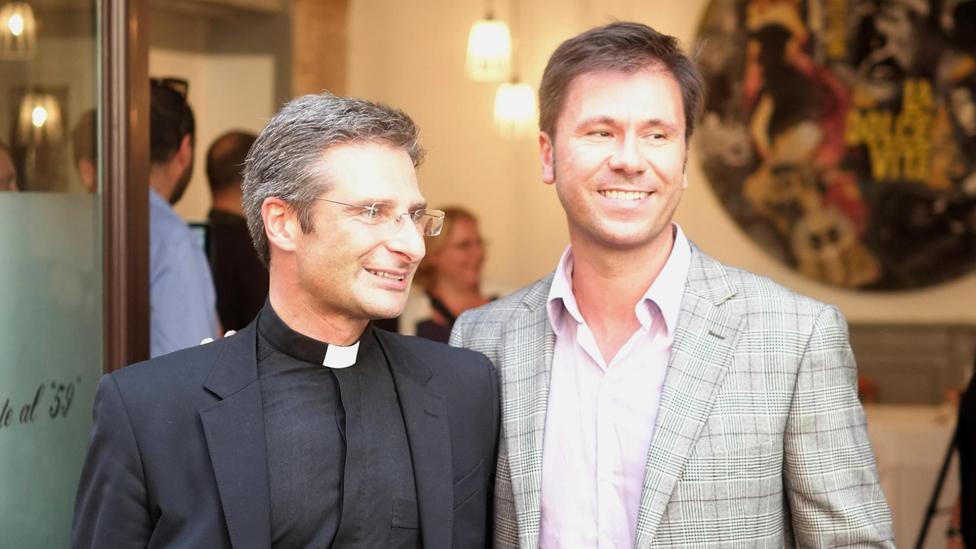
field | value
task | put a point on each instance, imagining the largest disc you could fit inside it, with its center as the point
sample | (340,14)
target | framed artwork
(841,134)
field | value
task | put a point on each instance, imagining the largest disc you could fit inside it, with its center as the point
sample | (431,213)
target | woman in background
(448,281)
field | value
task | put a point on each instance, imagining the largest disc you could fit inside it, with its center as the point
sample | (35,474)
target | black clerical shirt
(339,462)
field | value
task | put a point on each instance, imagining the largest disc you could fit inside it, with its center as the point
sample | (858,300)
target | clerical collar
(304,348)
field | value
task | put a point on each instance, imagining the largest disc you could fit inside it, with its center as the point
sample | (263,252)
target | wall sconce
(489,50)
(18,31)
(39,120)
(515,109)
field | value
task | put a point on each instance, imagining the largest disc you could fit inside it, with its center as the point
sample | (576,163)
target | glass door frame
(124,165)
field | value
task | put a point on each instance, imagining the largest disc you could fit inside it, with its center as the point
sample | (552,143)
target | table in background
(910,443)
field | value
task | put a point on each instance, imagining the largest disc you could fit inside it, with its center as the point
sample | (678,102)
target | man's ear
(281,224)
(185,152)
(548,160)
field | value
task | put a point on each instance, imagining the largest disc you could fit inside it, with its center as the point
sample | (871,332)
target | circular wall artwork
(841,134)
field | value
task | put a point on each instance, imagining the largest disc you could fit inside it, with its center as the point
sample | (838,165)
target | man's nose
(627,156)
(407,240)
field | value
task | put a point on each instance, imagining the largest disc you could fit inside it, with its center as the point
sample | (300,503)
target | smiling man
(308,428)
(651,396)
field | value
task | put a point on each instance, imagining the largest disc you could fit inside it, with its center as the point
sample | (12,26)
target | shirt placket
(605,454)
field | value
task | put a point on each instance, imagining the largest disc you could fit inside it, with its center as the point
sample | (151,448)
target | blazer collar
(705,338)
(234,428)
(526,371)
(426,421)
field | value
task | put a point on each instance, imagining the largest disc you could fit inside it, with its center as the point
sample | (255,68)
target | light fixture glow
(489,51)
(38,116)
(39,119)
(16,24)
(515,109)
(18,31)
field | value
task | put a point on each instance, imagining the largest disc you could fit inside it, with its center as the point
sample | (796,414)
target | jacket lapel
(704,340)
(428,433)
(234,428)
(525,368)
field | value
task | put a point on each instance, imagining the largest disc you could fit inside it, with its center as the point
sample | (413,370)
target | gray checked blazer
(760,440)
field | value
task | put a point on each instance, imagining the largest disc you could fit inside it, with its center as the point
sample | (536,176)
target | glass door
(51,260)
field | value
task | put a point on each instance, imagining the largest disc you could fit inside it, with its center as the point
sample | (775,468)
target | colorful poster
(841,134)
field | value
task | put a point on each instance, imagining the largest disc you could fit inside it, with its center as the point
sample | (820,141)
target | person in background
(651,395)
(8,171)
(448,281)
(83,138)
(182,301)
(239,276)
(964,518)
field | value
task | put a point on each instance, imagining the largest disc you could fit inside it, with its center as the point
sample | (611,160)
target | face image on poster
(841,134)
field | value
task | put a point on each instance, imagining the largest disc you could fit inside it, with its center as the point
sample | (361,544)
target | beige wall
(411,54)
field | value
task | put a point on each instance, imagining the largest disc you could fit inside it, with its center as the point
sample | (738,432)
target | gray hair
(284,160)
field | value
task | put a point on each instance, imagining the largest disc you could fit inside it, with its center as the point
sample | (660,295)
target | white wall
(226,92)
(411,55)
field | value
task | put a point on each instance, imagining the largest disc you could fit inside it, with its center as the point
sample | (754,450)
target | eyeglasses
(427,222)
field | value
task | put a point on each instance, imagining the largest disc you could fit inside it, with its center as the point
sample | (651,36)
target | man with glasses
(309,427)
(182,300)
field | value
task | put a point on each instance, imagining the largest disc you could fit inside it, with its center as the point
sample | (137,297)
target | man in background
(652,396)
(181,293)
(240,279)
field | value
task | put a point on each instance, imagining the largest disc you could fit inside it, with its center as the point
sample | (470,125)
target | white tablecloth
(910,443)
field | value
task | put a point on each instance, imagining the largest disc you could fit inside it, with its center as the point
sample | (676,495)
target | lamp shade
(489,51)
(18,31)
(515,109)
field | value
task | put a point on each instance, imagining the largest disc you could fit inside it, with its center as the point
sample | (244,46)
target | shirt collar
(561,300)
(665,292)
(155,197)
(304,348)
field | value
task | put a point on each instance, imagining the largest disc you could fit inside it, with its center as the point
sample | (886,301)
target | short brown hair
(619,46)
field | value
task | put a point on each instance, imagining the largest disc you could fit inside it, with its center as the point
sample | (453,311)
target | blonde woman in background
(448,281)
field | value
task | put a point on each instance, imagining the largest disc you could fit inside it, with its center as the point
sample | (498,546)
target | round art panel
(841,134)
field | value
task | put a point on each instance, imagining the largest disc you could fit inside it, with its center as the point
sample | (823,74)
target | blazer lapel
(526,362)
(704,340)
(428,432)
(234,428)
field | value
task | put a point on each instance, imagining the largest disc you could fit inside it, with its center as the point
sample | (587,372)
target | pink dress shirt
(600,419)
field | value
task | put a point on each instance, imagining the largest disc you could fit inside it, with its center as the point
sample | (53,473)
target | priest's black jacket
(177,454)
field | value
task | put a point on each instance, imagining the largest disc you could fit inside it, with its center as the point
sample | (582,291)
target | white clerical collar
(337,356)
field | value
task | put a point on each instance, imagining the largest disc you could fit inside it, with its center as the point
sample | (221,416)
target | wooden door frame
(124,161)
